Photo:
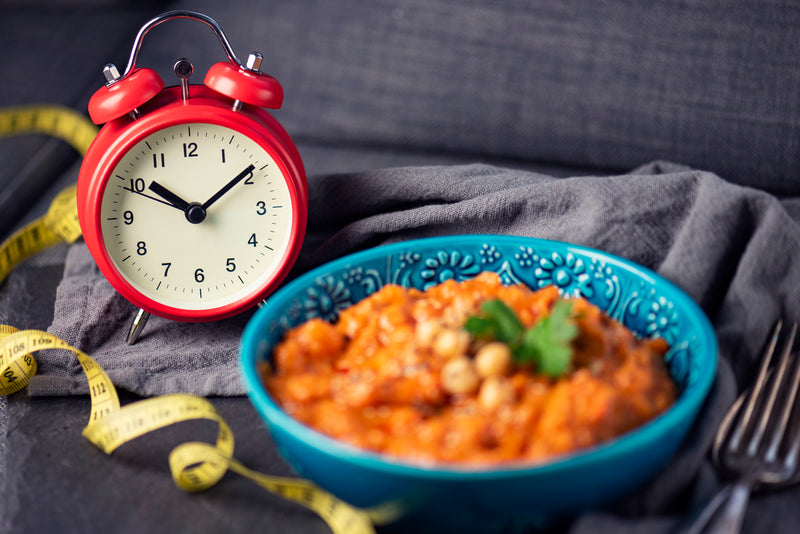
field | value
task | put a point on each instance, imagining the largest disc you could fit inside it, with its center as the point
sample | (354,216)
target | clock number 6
(199,276)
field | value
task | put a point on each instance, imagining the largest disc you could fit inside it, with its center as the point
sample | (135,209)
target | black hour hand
(173,199)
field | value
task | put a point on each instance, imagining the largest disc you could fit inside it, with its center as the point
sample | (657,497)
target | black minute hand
(227,187)
(173,199)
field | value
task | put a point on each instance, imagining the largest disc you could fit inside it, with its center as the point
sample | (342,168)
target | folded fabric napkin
(733,249)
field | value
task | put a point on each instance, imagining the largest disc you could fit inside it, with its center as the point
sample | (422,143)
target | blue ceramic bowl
(440,499)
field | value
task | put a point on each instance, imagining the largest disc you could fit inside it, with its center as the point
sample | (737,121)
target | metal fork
(763,445)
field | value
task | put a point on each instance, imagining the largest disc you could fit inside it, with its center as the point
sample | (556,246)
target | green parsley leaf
(508,329)
(480,327)
(549,340)
(547,344)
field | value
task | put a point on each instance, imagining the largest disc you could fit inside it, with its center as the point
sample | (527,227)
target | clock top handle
(180,14)
(243,83)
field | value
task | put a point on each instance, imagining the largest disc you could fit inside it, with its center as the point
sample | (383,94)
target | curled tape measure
(195,466)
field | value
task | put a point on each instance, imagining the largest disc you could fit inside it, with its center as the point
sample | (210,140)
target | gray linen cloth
(733,249)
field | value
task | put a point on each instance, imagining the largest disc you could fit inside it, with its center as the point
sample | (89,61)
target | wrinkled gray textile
(731,248)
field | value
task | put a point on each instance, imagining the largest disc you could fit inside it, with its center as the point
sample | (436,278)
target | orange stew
(399,375)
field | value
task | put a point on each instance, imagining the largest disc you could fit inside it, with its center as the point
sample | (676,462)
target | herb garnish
(546,344)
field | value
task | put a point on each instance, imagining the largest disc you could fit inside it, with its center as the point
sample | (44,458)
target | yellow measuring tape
(195,466)
(57,121)
(60,223)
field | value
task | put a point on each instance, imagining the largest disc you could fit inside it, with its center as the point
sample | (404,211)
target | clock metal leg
(137,326)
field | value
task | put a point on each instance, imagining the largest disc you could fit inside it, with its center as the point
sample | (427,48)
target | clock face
(197,216)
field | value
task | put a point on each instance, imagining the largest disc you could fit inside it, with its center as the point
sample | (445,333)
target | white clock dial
(196,216)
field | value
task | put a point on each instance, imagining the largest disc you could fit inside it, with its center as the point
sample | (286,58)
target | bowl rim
(687,404)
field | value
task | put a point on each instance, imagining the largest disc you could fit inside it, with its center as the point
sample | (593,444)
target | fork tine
(746,417)
(780,430)
(794,448)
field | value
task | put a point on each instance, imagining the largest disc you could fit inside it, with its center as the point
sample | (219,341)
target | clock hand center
(227,187)
(195,213)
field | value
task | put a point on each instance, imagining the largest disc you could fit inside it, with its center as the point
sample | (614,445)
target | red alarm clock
(192,199)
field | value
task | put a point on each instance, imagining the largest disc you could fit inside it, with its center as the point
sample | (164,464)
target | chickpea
(496,391)
(493,359)
(451,342)
(459,376)
(426,331)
